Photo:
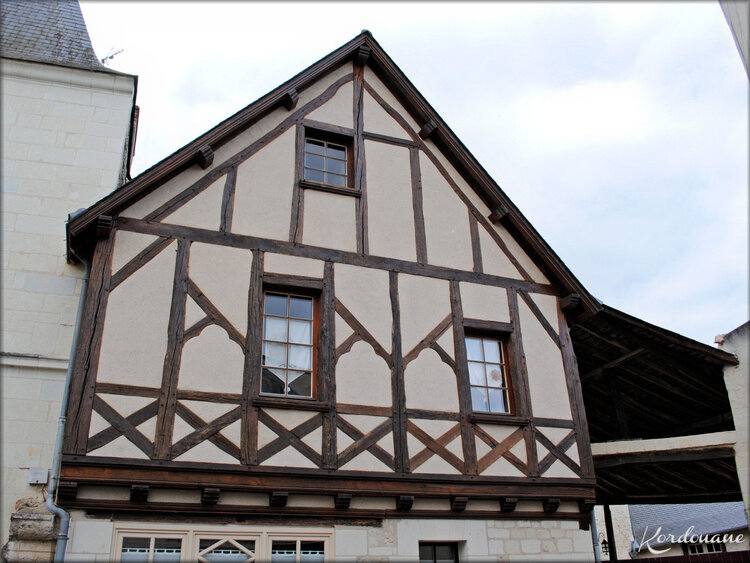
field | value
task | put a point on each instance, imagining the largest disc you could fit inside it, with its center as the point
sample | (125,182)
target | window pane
(498,402)
(336,180)
(300,383)
(275,305)
(311,551)
(300,308)
(273,381)
(336,151)
(337,166)
(227,551)
(135,549)
(476,373)
(314,175)
(314,161)
(495,376)
(474,349)
(300,332)
(444,554)
(274,355)
(274,329)
(283,551)
(167,549)
(479,399)
(491,351)
(315,147)
(426,553)
(300,357)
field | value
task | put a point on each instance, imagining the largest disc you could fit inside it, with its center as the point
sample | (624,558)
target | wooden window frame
(287,286)
(309,129)
(433,544)
(505,334)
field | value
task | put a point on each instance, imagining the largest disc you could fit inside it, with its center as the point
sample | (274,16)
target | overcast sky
(619,129)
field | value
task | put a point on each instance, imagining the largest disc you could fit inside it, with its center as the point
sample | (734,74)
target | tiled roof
(47,31)
(675,519)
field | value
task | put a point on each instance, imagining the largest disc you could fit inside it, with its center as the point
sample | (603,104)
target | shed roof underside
(642,382)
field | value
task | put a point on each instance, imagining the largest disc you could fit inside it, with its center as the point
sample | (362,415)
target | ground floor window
(232,544)
(438,552)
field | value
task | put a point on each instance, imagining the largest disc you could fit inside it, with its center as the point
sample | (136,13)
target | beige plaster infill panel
(494,260)
(365,461)
(125,405)
(162,194)
(203,211)
(193,312)
(119,447)
(372,80)
(243,140)
(208,411)
(339,110)
(212,362)
(292,265)
(390,212)
(363,377)
(329,221)
(362,422)
(547,385)
(317,88)
(314,439)
(559,469)
(223,274)
(519,254)
(289,457)
(503,468)
(208,453)
(548,306)
(484,302)
(446,221)
(365,293)
(134,339)
(127,246)
(424,303)
(342,329)
(377,120)
(263,190)
(430,384)
(436,428)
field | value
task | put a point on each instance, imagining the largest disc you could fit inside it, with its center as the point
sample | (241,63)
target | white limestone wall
(64,133)
(736,380)
(621,527)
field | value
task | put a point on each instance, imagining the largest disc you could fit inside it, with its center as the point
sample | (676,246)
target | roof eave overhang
(81,230)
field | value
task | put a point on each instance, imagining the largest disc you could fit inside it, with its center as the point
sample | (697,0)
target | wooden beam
(508,504)
(603,461)
(498,214)
(104,226)
(458,504)
(342,500)
(551,505)
(139,493)
(361,55)
(404,502)
(570,302)
(210,495)
(599,372)
(204,156)
(290,98)
(278,498)
(427,129)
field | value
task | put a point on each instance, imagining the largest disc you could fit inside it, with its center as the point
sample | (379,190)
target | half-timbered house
(321,329)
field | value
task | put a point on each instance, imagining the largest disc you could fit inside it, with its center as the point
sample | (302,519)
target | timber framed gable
(407,248)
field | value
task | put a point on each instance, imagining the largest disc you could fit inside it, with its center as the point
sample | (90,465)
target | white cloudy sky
(619,129)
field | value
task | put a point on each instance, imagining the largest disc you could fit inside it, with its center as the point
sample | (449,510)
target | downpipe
(61,540)
(595,537)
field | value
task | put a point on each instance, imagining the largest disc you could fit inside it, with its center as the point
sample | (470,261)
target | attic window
(326,162)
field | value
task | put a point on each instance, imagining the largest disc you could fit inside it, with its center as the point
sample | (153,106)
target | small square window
(488,374)
(288,355)
(438,552)
(326,162)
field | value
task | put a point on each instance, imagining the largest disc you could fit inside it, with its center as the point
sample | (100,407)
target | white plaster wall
(339,110)
(292,265)
(365,293)
(363,377)
(329,221)
(736,380)
(63,139)
(390,212)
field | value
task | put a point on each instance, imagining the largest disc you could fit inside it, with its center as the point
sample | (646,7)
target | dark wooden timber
(619,407)
(522,394)
(308,251)
(210,495)
(292,281)
(417,205)
(476,249)
(139,493)
(363,333)
(554,422)
(213,313)
(104,224)
(575,395)
(206,431)
(370,410)
(361,55)
(550,458)
(365,442)
(558,451)
(295,222)
(664,456)
(123,426)
(508,504)
(428,340)
(498,214)
(289,437)
(435,447)
(360,177)
(398,416)
(586,506)
(133,420)
(251,372)
(175,334)
(599,372)
(83,384)
(140,259)
(610,533)
(310,185)
(488,326)
(227,201)
(347,344)
(342,500)
(570,302)
(500,449)
(464,392)
(278,498)
(66,491)
(327,365)
(379,137)
(551,505)
(290,98)
(204,156)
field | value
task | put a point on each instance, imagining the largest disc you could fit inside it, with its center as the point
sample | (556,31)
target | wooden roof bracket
(290,98)
(204,156)
(427,129)
(499,214)
(361,55)
(508,504)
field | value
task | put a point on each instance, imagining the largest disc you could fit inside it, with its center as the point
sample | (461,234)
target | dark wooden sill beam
(604,461)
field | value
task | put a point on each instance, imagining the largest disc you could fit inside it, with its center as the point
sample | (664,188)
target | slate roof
(675,519)
(50,32)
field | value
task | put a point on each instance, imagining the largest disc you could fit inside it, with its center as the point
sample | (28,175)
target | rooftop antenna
(111,55)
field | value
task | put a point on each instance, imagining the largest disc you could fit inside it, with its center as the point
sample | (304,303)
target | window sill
(499,418)
(290,403)
(308,184)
